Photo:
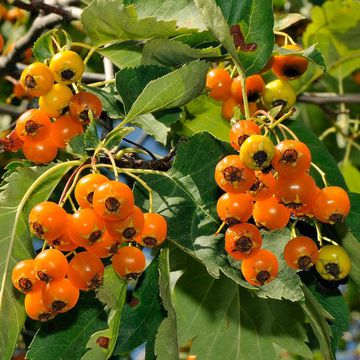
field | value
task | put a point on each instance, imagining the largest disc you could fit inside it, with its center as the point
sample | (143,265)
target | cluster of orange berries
(271,183)
(277,92)
(62,114)
(108,224)
(12,14)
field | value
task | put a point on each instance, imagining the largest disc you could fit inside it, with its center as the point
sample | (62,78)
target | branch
(328,98)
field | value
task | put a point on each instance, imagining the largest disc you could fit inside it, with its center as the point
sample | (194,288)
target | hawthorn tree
(98,71)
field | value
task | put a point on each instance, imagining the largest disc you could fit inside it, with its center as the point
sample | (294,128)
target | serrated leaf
(88,140)
(238,325)
(204,114)
(143,314)
(256,21)
(166,344)
(166,52)
(66,336)
(172,90)
(186,196)
(123,55)
(317,316)
(283,21)
(15,240)
(43,48)
(114,140)
(116,22)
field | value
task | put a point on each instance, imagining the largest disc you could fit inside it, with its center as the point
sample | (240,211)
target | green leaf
(166,52)
(225,321)
(172,90)
(15,240)
(283,21)
(112,293)
(186,196)
(166,343)
(43,47)
(204,114)
(110,21)
(123,55)
(114,140)
(88,140)
(317,316)
(352,176)
(67,335)
(334,303)
(256,21)
(320,155)
(143,313)
(352,247)
(352,220)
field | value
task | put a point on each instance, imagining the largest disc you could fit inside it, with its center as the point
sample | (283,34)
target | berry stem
(286,36)
(329,240)
(318,233)
(220,228)
(80,44)
(243,88)
(282,118)
(292,134)
(327,132)
(89,54)
(112,160)
(322,174)
(293,232)
(101,83)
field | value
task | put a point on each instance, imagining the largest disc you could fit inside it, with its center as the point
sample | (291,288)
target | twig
(328,98)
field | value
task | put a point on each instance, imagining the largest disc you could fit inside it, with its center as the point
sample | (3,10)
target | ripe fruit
(301,253)
(84,190)
(113,201)
(47,220)
(64,129)
(242,241)
(33,124)
(18,90)
(254,86)
(227,108)
(129,228)
(232,176)
(36,308)
(279,92)
(154,231)
(64,243)
(37,79)
(67,67)
(234,208)
(105,247)
(261,268)
(291,158)
(129,262)
(270,214)
(295,192)
(60,295)
(333,263)
(51,264)
(241,130)
(264,186)
(56,101)
(83,102)
(86,227)
(1,43)
(331,205)
(40,152)
(218,81)
(256,152)
(24,277)
(289,66)
(86,271)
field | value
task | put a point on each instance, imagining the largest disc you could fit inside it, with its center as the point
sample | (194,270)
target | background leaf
(123,55)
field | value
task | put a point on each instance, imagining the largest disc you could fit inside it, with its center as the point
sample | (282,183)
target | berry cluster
(277,92)
(62,114)
(107,224)
(272,184)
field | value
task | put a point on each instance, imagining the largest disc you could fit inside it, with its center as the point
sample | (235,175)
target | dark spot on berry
(90,197)
(43,277)
(293,205)
(291,72)
(232,221)
(263,276)
(304,262)
(129,233)
(243,244)
(289,156)
(114,248)
(232,174)
(45,316)
(25,284)
(30,82)
(336,218)
(67,74)
(37,229)
(84,115)
(332,269)
(279,102)
(58,305)
(95,282)
(103,341)
(95,236)
(133,301)
(260,157)
(256,186)
(253,96)
(267,170)
(56,242)
(242,138)
(31,127)
(149,241)
(112,204)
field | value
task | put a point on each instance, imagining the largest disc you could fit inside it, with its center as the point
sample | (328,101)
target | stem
(101,83)
(347,151)
(293,135)
(112,160)
(220,228)
(80,44)
(293,233)
(286,36)
(327,132)
(322,174)
(73,207)
(122,152)
(243,89)
(318,233)
(89,54)
(330,241)
(67,185)
(280,120)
